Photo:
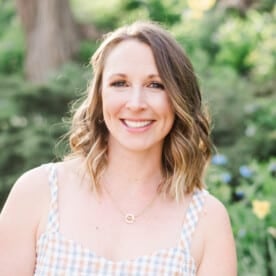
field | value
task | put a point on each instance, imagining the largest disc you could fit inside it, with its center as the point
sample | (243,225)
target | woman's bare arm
(219,256)
(19,220)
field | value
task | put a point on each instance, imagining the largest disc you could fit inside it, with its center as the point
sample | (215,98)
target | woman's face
(136,106)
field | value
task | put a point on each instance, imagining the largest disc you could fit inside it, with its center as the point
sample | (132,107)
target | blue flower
(245,172)
(239,195)
(242,232)
(219,159)
(226,177)
(272,169)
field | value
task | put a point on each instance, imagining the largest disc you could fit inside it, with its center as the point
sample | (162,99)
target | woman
(130,200)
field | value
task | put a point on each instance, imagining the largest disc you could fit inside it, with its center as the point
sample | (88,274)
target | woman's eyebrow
(153,76)
(122,75)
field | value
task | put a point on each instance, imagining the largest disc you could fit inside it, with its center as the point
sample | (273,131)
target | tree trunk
(52,36)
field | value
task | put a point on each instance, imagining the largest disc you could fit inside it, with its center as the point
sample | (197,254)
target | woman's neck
(133,172)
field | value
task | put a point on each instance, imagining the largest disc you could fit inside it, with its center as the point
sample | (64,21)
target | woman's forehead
(130,56)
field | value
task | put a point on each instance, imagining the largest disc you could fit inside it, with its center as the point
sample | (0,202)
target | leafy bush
(223,47)
(262,58)
(253,212)
(31,121)
(160,11)
(87,48)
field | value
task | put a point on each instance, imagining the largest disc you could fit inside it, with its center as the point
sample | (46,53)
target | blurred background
(45,47)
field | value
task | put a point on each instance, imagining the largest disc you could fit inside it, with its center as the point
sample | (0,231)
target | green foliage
(7,14)
(234,36)
(31,121)
(12,47)
(260,135)
(105,16)
(230,53)
(262,58)
(160,11)
(87,48)
(265,5)
(255,237)
(241,43)
(118,12)
(226,94)
(195,35)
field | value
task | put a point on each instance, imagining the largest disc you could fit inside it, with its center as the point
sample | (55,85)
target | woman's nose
(136,99)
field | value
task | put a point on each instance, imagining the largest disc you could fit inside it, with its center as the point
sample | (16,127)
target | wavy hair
(187,147)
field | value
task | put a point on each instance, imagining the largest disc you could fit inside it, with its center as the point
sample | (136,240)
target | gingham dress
(57,255)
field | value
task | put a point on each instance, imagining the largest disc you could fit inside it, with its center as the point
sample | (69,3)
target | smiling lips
(137,123)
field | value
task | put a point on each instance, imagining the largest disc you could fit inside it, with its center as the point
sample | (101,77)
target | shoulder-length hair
(187,147)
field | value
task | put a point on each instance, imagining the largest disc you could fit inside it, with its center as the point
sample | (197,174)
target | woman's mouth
(137,123)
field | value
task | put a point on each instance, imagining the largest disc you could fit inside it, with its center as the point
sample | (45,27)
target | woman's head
(187,147)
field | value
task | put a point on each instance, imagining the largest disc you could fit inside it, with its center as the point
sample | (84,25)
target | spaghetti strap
(191,219)
(53,218)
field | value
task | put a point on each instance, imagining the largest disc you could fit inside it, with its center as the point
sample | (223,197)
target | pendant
(129,218)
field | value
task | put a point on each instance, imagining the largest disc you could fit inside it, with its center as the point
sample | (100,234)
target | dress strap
(191,218)
(53,218)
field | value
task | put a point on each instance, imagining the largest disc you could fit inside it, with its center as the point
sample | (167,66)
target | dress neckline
(62,238)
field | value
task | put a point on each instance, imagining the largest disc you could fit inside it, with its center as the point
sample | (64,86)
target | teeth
(137,124)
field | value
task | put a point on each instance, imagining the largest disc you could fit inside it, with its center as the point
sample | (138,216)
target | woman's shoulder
(214,205)
(29,188)
(26,202)
(215,221)
(32,180)
(32,188)
(210,209)
(40,176)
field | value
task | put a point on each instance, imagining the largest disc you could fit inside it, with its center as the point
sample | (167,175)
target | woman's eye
(157,85)
(118,83)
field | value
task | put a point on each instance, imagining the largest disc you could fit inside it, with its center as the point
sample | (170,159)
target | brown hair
(187,148)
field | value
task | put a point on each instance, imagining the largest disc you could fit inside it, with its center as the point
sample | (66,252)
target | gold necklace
(130,218)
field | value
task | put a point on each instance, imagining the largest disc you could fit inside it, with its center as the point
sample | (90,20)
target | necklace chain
(130,218)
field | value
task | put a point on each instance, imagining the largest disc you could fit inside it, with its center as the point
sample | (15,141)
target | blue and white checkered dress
(57,255)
